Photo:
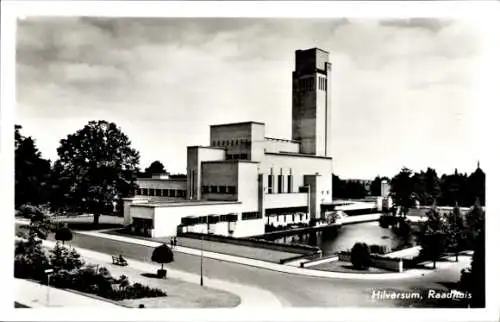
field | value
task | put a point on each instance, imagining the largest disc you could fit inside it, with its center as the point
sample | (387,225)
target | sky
(403,92)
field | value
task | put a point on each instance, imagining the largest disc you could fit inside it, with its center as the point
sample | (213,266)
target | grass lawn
(346,267)
(269,255)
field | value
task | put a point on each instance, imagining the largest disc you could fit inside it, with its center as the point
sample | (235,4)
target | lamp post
(309,202)
(48,272)
(201,262)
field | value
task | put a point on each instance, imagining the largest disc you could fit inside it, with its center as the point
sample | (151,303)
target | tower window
(280,183)
(270,183)
(290,181)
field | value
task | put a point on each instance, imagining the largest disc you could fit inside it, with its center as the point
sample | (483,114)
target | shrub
(64,234)
(360,256)
(162,255)
(30,259)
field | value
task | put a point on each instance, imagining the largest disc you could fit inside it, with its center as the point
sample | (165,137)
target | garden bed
(346,267)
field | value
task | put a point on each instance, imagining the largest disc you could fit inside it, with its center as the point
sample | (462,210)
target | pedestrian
(171,243)
(175,241)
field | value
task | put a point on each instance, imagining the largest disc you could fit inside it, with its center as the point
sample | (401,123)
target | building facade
(244,180)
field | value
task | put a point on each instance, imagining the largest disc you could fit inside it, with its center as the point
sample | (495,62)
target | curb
(249,296)
(269,266)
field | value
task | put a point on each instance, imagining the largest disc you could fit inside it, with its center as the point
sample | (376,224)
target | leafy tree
(360,256)
(40,225)
(475,223)
(476,187)
(455,226)
(375,186)
(162,255)
(433,236)
(98,167)
(32,172)
(155,167)
(402,189)
(58,256)
(432,187)
(473,279)
(30,259)
(74,260)
(64,234)
(337,187)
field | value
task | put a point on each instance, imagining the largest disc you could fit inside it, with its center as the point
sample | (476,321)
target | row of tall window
(282,186)
(250,215)
(210,219)
(219,189)
(161,192)
(322,83)
(235,142)
(242,156)
(307,84)
(282,217)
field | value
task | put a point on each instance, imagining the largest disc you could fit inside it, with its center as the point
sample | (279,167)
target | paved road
(292,290)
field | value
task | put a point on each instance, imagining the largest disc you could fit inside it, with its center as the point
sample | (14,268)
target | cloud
(165,80)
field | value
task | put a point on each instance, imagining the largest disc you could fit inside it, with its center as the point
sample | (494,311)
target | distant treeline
(425,186)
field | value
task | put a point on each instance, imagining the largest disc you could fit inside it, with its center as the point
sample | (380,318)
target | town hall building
(244,180)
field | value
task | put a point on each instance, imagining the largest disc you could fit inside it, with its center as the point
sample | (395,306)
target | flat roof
(311,49)
(237,123)
(291,154)
(230,161)
(278,139)
(185,203)
(162,179)
(205,147)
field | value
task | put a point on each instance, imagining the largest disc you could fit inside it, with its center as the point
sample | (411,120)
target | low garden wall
(251,242)
(390,264)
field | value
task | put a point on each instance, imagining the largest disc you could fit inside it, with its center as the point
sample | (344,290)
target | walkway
(266,265)
(251,297)
(34,295)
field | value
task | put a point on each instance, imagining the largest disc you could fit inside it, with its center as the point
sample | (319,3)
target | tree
(98,167)
(40,225)
(475,223)
(31,172)
(30,259)
(456,230)
(402,190)
(58,256)
(375,186)
(337,187)
(155,167)
(473,279)
(162,255)
(64,234)
(433,236)
(360,256)
(432,187)
(476,187)
(73,260)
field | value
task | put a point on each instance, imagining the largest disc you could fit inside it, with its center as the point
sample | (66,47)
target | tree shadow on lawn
(91,226)
(352,268)
(151,275)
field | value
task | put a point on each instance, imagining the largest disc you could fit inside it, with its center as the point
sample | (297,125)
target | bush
(64,234)
(360,256)
(162,255)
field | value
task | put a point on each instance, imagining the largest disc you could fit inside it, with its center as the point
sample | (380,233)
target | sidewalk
(34,295)
(250,297)
(267,265)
